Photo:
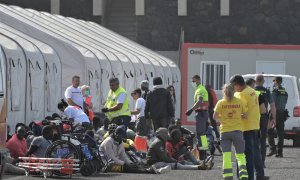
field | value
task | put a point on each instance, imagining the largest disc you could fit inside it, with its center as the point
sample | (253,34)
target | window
(215,73)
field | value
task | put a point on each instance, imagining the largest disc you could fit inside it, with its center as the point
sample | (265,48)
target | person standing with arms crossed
(280,97)
(230,111)
(201,108)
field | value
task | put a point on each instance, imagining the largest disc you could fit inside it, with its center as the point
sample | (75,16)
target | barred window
(215,73)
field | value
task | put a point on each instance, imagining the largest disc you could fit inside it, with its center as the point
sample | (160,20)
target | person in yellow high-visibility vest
(230,111)
(201,108)
(117,104)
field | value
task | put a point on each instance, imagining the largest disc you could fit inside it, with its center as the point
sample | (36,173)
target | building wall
(40,5)
(82,9)
(249,22)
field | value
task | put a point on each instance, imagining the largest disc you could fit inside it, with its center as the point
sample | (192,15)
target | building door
(270,67)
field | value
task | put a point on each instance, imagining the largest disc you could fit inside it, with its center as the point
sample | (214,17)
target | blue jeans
(258,163)
(249,137)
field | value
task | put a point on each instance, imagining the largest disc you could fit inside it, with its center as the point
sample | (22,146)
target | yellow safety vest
(201,92)
(111,101)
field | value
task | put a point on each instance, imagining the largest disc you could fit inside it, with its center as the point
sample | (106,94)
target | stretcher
(47,165)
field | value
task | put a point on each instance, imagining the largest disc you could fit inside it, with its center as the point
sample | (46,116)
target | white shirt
(75,94)
(140,105)
(77,114)
(121,98)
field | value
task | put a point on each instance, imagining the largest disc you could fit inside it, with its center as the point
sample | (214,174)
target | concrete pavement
(287,168)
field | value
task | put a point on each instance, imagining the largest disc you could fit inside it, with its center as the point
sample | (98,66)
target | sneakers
(152,170)
(164,170)
(202,166)
(207,164)
(209,158)
(271,153)
(210,165)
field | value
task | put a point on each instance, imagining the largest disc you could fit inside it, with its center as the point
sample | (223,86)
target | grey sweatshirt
(115,151)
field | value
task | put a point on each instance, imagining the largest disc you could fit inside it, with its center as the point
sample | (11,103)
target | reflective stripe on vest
(112,101)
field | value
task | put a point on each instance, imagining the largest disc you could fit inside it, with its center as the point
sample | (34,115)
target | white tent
(71,59)
(35,77)
(52,82)
(16,80)
(122,66)
(92,71)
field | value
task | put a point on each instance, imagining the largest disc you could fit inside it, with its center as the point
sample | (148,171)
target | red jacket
(16,147)
(172,149)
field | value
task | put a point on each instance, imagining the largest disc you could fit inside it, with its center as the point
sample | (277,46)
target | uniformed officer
(280,97)
(201,108)
(259,80)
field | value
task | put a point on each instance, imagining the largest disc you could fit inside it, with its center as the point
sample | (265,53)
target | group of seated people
(168,148)
(164,153)
(26,143)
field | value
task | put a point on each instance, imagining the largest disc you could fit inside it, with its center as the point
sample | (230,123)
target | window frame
(214,63)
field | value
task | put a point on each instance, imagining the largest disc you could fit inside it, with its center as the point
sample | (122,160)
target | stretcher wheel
(26,172)
(45,174)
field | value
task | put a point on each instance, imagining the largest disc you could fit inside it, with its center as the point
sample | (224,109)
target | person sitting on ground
(73,112)
(186,133)
(114,149)
(17,145)
(158,156)
(40,144)
(56,116)
(177,148)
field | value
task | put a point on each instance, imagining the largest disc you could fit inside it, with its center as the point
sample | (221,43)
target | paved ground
(287,168)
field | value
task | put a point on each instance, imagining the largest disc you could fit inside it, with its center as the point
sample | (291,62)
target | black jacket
(159,104)
(157,153)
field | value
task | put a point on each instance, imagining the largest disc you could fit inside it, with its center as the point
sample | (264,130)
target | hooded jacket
(159,104)
(157,151)
(115,151)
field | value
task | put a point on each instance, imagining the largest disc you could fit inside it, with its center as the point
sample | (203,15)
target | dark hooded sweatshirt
(157,152)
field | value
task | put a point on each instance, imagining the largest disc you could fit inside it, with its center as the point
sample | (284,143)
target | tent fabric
(52,70)
(70,57)
(36,76)
(16,80)
(75,38)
